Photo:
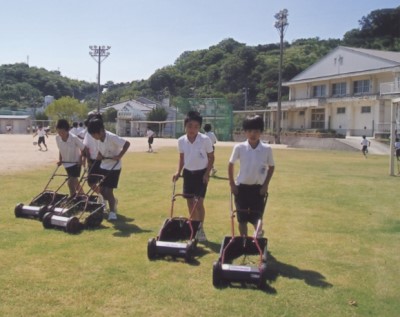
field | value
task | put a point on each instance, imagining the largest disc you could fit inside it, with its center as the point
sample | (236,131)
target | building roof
(344,60)
(132,103)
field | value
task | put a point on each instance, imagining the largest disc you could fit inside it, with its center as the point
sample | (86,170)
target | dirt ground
(18,152)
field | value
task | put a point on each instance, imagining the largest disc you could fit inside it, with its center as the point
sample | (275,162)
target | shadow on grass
(276,269)
(125,228)
(216,177)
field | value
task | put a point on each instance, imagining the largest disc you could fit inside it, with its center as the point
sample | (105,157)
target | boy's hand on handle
(175,177)
(263,190)
(59,163)
(234,189)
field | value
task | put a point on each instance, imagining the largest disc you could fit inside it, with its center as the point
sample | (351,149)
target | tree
(67,108)
(157,114)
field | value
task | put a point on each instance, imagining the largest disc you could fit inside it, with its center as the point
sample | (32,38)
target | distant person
(397,148)
(111,150)
(365,144)
(9,129)
(196,158)
(213,138)
(41,133)
(74,130)
(70,155)
(256,169)
(150,139)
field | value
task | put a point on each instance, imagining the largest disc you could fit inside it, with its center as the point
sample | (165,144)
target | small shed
(16,124)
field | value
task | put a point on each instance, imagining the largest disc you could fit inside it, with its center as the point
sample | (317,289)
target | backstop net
(215,111)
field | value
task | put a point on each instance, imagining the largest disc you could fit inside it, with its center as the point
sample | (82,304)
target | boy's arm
(210,164)
(264,188)
(124,149)
(231,172)
(180,167)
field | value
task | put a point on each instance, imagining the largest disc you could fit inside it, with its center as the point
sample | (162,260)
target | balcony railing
(390,88)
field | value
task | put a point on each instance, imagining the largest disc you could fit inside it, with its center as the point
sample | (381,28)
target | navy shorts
(150,140)
(111,178)
(73,171)
(41,140)
(193,183)
(249,203)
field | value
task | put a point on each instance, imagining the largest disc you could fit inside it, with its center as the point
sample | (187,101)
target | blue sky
(146,35)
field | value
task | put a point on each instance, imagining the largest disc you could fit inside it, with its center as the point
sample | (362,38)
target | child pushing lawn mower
(177,236)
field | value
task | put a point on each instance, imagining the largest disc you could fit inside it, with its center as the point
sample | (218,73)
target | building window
(302,113)
(341,110)
(319,91)
(366,109)
(361,87)
(317,118)
(339,89)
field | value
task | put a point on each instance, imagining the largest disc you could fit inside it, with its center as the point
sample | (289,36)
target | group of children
(196,161)
(102,151)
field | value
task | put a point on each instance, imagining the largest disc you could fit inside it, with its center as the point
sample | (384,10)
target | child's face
(253,135)
(96,136)
(63,133)
(192,128)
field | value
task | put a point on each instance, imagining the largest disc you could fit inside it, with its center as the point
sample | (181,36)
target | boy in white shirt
(256,170)
(196,158)
(70,154)
(111,149)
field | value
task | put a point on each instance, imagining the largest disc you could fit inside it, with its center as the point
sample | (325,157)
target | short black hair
(207,127)
(62,124)
(193,116)
(75,124)
(253,123)
(92,116)
(95,126)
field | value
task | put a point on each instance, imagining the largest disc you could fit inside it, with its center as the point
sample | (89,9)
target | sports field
(331,220)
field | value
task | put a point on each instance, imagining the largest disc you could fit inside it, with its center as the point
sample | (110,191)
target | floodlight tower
(281,25)
(99,54)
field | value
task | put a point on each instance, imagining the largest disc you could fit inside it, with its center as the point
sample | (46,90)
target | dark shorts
(94,172)
(150,140)
(365,148)
(73,171)
(111,178)
(41,140)
(398,152)
(249,204)
(193,183)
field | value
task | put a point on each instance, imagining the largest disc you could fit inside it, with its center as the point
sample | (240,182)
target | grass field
(331,220)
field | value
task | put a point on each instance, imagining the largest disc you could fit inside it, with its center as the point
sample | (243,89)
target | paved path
(376,147)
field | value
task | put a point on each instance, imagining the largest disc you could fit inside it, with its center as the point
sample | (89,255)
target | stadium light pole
(281,25)
(99,54)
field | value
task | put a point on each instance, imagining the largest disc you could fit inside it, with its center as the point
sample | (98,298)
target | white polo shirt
(212,137)
(70,150)
(92,144)
(110,147)
(195,154)
(254,163)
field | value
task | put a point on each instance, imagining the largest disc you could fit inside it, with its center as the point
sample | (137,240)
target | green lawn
(331,220)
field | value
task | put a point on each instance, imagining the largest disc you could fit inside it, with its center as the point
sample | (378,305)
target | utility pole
(99,54)
(245,92)
(281,25)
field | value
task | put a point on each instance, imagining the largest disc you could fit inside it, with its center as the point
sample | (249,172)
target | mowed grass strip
(331,220)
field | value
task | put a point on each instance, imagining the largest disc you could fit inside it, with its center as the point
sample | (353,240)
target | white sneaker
(201,235)
(112,216)
(260,234)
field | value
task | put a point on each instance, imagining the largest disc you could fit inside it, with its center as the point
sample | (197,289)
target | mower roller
(177,236)
(43,202)
(233,247)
